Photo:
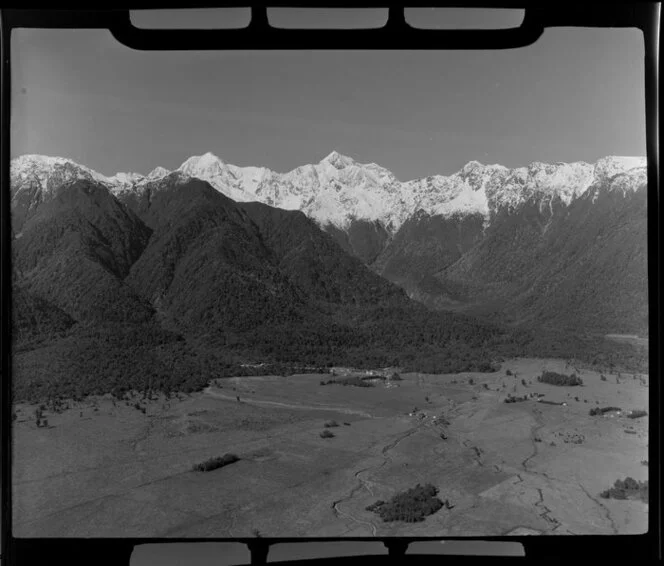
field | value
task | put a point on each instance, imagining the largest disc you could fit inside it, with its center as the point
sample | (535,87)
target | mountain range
(168,280)
(555,245)
(174,284)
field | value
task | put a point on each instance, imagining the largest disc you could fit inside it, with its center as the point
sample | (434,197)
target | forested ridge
(169,289)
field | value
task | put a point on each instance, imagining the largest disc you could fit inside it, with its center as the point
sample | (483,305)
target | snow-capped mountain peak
(221,176)
(125,179)
(208,162)
(157,173)
(44,174)
(470,167)
(607,167)
(339,190)
(337,160)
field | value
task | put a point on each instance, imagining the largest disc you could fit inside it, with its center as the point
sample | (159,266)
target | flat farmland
(104,468)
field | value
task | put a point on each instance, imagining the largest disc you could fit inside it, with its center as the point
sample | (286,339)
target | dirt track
(212,392)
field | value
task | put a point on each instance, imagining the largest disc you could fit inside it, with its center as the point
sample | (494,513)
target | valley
(527,245)
(332,293)
(103,468)
(163,326)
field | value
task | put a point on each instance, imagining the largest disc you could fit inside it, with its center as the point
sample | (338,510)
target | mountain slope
(213,285)
(425,241)
(479,240)
(314,261)
(35,318)
(205,263)
(602,285)
(74,249)
(581,267)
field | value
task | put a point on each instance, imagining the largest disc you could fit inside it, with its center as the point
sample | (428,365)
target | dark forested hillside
(581,268)
(426,244)
(314,262)
(206,264)
(175,284)
(601,283)
(75,250)
(35,318)
(363,239)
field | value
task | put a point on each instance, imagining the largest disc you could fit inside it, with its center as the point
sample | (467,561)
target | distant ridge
(486,240)
(337,190)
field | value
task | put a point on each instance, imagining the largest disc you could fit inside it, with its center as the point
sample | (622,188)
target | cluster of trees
(629,488)
(354,380)
(113,358)
(215,463)
(412,338)
(101,357)
(553,378)
(35,320)
(96,359)
(595,352)
(40,421)
(514,399)
(600,411)
(411,506)
(637,414)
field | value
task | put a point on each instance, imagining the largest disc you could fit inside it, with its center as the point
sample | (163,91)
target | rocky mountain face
(488,239)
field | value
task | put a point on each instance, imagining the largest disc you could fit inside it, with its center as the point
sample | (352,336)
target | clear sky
(573,95)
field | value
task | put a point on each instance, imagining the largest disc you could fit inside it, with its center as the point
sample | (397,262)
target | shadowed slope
(315,262)
(75,250)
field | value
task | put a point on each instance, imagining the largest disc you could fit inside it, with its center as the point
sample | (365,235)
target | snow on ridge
(125,179)
(220,175)
(338,190)
(631,180)
(607,167)
(47,173)
(466,201)
(157,173)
